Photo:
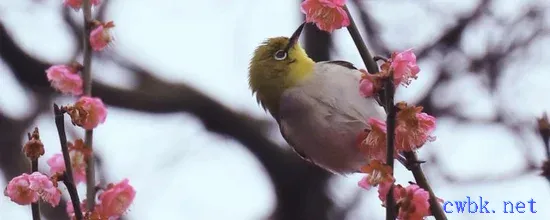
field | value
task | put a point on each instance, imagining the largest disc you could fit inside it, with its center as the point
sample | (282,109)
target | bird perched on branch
(317,105)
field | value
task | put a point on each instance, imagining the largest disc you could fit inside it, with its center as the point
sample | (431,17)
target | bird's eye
(280,55)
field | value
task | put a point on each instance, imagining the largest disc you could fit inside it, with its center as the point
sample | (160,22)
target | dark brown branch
(73,193)
(366,56)
(87,79)
(317,43)
(389,89)
(372,67)
(544,132)
(35,206)
(68,176)
(422,181)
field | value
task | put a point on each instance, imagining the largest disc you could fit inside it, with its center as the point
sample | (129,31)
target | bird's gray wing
(288,139)
(337,87)
(351,66)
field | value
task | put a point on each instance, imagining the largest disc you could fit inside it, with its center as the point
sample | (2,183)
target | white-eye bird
(318,106)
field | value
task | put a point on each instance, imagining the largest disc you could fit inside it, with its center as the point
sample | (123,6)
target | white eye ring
(280,55)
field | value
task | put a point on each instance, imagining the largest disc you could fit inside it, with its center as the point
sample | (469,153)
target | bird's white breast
(322,116)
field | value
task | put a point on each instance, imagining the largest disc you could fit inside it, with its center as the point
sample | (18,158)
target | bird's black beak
(294,38)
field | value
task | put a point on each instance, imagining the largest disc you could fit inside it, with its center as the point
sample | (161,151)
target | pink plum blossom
(404,67)
(414,127)
(100,36)
(88,112)
(19,190)
(328,15)
(65,79)
(116,199)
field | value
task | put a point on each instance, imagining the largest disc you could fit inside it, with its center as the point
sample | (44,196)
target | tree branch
(35,206)
(87,79)
(68,178)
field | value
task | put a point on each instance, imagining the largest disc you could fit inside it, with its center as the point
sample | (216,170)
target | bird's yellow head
(279,63)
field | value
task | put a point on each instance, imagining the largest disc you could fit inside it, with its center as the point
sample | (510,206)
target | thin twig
(372,68)
(68,176)
(390,131)
(73,193)
(421,180)
(366,56)
(87,78)
(378,58)
(35,206)
(390,123)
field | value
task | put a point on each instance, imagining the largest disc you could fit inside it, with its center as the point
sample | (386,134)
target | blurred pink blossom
(65,79)
(26,189)
(100,36)
(116,199)
(19,190)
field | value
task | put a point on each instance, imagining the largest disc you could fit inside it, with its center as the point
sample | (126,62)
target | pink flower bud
(366,88)
(100,36)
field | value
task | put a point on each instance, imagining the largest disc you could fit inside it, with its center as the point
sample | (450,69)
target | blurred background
(183,127)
